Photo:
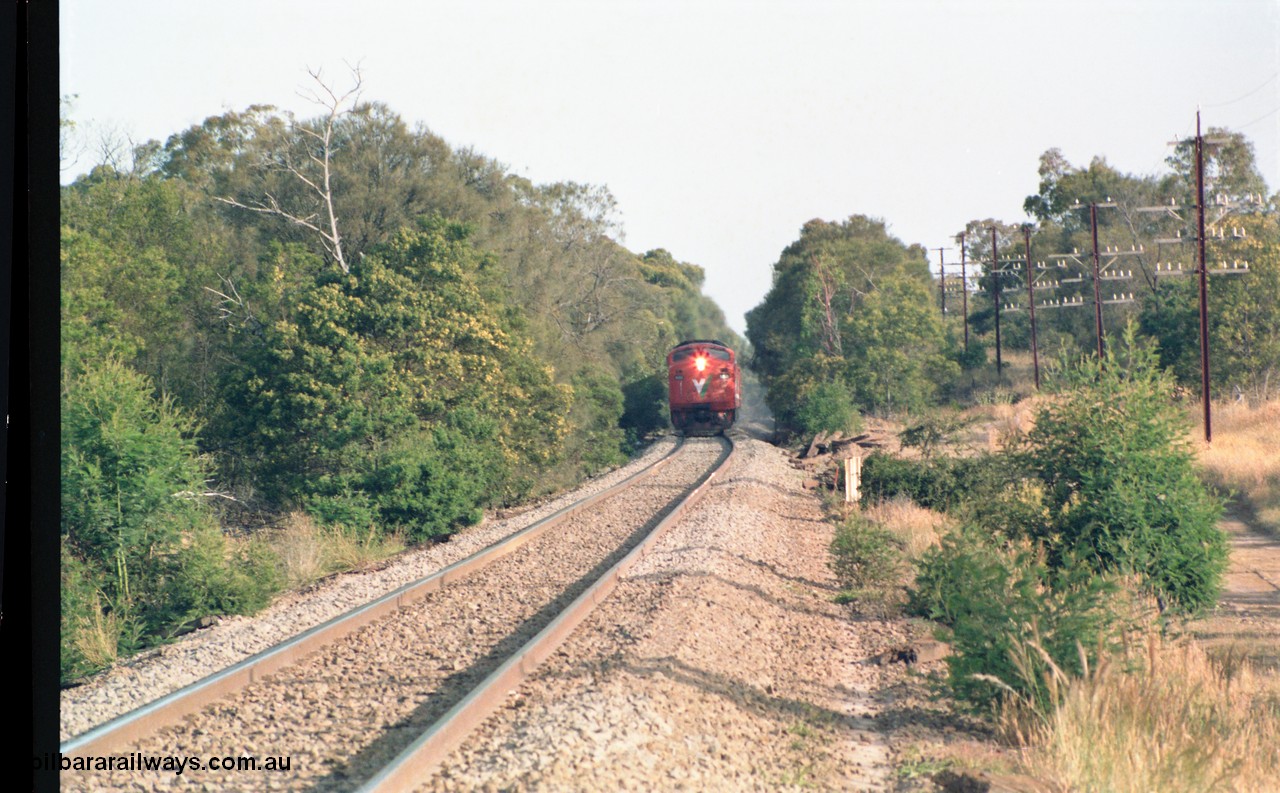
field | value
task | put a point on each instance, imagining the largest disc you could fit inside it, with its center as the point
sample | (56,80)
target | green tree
(898,362)
(1119,487)
(850,310)
(403,344)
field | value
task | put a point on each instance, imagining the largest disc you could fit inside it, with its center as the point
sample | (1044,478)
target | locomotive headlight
(701,363)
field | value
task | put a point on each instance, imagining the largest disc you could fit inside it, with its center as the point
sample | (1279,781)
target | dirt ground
(1247,619)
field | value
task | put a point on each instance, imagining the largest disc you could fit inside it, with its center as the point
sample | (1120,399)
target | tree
(313,167)
(898,362)
(850,311)
(402,347)
(1120,491)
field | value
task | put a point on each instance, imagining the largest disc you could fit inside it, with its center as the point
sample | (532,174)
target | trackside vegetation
(1060,557)
(251,399)
(1062,533)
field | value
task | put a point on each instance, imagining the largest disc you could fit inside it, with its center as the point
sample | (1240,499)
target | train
(704,390)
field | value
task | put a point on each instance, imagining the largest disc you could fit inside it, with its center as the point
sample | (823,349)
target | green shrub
(931,433)
(813,396)
(973,358)
(1120,491)
(399,394)
(868,561)
(939,483)
(644,407)
(827,407)
(597,409)
(142,550)
(1000,604)
(425,483)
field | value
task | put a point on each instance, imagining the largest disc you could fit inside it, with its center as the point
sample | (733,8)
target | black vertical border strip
(35,354)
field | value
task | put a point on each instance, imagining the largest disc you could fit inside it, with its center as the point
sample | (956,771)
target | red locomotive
(703,387)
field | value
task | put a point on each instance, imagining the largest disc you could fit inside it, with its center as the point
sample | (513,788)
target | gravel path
(151,675)
(348,709)
(719,663)
(1247,618)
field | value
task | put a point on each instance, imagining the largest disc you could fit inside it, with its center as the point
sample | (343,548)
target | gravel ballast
(346,710)
(148,677)
(719,663)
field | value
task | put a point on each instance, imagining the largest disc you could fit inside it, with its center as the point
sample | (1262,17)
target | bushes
(866,559)
(397,394)
(940,483)
(827,407)
(142,552)
(1010,614)
(644,407)
(1102,490)
(1119,486)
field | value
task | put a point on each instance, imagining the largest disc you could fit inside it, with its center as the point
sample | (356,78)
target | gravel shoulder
(719,663)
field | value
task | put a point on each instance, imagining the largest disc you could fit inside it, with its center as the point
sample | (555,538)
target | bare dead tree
(831,341)
(231,304)
(336,105)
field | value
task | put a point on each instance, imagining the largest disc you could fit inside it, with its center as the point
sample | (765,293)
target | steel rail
(415,762)
(117,733)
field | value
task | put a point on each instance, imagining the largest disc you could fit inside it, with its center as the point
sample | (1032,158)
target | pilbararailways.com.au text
(174,764)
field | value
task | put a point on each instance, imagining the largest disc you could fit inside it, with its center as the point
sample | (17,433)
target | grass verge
(1245,456)
(1165,716)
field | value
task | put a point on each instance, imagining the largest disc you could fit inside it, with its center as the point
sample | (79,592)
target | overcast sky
(721,127)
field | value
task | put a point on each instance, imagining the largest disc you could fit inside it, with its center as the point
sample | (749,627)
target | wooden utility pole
(942,281)
(1201,268)
(1097,277)
(1031,304)
(964,293)
(995,274)
(1204,283)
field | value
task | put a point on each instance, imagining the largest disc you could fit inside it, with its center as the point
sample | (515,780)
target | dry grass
(1166,716)
(298,551)
(995,425)
(97,636)
(307,552)
(918,529)
(1245,455)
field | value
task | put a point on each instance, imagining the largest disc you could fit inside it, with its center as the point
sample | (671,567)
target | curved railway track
(375,697)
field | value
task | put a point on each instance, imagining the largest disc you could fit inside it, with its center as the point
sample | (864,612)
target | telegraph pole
(964,292)
(1031,304)
(1201,268)
(995,273)
(1204,282)
(942,281)
(1097,276)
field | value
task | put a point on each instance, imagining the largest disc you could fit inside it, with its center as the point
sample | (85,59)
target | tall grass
(918,529)
(1163,716)
(306,552)
(1245,455)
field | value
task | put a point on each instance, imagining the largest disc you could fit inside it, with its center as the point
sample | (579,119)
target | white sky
(721,127)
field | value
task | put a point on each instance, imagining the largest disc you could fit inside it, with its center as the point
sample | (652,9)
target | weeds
(868,562)
(1164,715)
(1243,456)
(306,552)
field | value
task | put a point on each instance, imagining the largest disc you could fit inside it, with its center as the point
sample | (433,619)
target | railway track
(378,703)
